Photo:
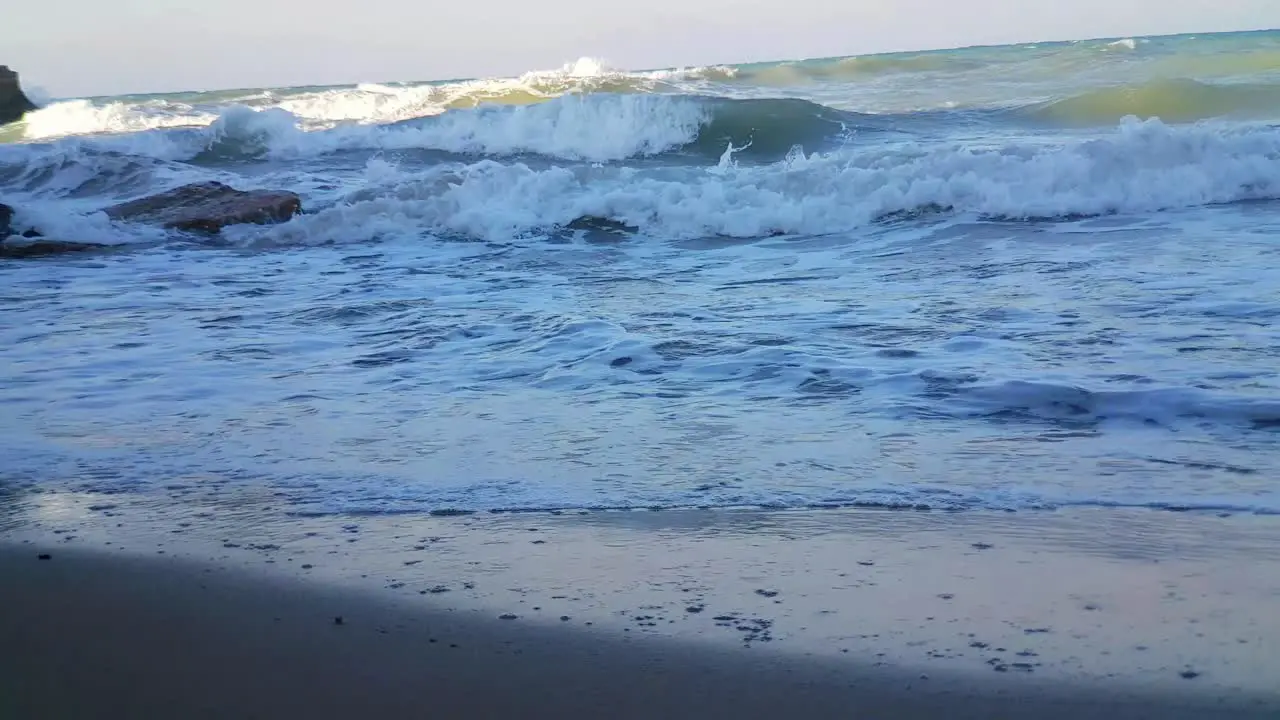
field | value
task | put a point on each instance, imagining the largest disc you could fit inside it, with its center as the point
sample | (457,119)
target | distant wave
(1175,100)
(1125,44)
(838,69)
(1240,63)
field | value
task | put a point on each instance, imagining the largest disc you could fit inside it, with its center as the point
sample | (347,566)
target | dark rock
(13,102)
(208,207)
(450,512)
(40,248)
(596,223)
(44,556)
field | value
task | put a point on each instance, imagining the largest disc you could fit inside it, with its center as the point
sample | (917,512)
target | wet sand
(146,610)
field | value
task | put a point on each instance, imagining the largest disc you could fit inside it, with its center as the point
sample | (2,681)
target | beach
(141,611)
(927,384)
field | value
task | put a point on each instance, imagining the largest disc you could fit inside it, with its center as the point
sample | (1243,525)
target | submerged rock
(208,207)
(41,247)
(13,102)
(597,223)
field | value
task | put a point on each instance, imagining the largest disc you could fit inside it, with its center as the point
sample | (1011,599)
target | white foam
(583,67)
(367,103)
(600,128)
(578,127)
(93,227)
(594,127)
(1140,167)
(83,117)
(68,167)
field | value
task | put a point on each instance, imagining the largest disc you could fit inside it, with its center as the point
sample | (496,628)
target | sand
(171,610)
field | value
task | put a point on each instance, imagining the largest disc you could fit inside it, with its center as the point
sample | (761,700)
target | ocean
(1025,277)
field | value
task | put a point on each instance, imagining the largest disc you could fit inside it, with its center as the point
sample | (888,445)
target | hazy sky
(83,47)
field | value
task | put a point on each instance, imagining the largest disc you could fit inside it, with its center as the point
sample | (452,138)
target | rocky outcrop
(13,103)
(208,207)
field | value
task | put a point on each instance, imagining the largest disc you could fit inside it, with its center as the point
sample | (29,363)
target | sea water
(1018,277)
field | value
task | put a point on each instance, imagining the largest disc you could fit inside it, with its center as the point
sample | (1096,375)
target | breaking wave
(1141,167)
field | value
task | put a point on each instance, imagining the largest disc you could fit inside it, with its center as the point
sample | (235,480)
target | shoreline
(747,613)
(92,634)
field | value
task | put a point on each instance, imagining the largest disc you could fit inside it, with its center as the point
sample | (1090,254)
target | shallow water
(589,302)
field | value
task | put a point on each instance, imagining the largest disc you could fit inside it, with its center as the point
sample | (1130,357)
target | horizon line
(918,50)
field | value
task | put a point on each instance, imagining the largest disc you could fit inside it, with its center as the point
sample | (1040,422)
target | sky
(66,48)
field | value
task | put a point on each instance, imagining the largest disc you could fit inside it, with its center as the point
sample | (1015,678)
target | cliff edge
(13,103)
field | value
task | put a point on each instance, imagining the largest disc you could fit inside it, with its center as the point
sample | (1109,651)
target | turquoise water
(1019,277)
